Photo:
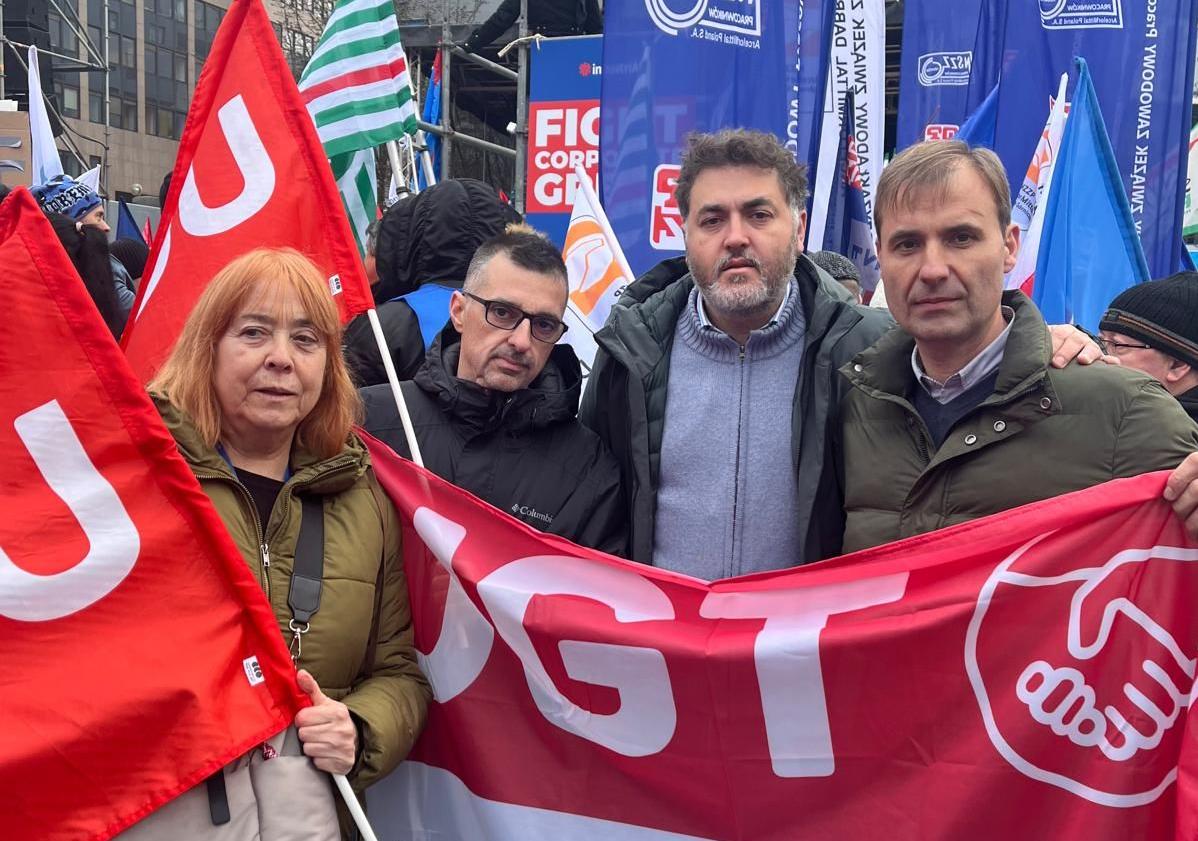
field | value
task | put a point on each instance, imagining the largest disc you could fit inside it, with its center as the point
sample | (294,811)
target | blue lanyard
(220,450)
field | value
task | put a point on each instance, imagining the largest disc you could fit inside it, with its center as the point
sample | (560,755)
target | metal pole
(107,98)
(497,69)
(446,99)
(3,44)
(521,109)
(468,139)
(397,170)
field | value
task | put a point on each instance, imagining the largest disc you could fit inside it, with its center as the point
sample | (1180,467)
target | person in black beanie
(1153,327)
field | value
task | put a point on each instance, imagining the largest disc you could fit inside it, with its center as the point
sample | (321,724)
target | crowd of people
(744,412)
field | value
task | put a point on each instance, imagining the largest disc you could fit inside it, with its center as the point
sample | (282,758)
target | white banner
(858,62)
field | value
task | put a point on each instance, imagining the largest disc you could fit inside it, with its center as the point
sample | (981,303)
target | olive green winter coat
(1042,433)
(359,647)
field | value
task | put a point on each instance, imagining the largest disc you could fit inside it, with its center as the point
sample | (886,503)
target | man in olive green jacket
(957,413)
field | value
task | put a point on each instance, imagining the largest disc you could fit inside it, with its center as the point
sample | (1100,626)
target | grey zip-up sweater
(625,399)
(726,501)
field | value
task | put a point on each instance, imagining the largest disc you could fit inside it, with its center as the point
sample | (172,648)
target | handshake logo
(1108,684)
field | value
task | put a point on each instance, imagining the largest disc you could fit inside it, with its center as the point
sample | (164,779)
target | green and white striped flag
(356,179)
(357,89)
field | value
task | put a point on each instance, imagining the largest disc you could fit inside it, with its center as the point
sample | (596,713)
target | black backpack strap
(307,573)
(218,799)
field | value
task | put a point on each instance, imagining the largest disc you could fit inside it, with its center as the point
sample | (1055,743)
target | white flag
(857,63)
(596,267)
(46,163)
(1030,205)
(91,179)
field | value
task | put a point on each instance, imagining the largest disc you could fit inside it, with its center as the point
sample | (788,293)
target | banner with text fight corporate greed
(563,128)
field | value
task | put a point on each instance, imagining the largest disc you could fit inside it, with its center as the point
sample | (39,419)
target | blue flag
(432,114)
(672,67)
(848,231)
(1142,77)
(979,129)
(1089,251)
(126,225)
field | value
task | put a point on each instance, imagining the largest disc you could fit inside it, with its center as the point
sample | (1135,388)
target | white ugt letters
(787,657)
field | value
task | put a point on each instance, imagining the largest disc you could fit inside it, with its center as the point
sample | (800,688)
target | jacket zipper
(259,529)
(740,410)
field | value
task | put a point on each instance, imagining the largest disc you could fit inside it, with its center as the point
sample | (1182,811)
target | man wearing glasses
(1153,327)
(495,404)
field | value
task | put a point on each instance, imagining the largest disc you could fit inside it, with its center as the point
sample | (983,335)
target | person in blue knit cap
(74,199)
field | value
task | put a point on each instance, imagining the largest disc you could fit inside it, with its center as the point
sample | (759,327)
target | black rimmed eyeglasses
(505,316)
(1114,348)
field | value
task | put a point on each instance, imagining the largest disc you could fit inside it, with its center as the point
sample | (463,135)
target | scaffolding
(449,52)
(95,60)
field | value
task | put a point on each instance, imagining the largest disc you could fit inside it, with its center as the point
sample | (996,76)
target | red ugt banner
(1024,676)
(250,173)
(139,654)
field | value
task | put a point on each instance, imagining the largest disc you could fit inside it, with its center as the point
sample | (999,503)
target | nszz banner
(1023,676)
(1141,57)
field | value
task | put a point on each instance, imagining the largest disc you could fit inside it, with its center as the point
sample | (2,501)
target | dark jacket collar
(640,330)
(885,368)
(550,398)
(1189,402)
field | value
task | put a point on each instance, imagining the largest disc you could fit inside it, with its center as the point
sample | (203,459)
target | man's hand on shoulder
(1070,344)
(1181,491)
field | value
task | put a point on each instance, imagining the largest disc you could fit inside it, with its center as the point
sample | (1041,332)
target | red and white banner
(1028,675)
(139,654)
(250,172)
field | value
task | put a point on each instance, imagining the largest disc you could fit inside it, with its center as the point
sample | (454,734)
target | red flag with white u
(139,654)
(250,172)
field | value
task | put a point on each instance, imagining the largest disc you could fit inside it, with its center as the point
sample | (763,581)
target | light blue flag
(978,130)
(1089,251)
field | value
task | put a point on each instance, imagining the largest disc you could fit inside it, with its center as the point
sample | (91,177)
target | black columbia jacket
(625,401)
(524,452)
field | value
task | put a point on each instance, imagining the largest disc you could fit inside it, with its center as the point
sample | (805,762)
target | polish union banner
(1028,675)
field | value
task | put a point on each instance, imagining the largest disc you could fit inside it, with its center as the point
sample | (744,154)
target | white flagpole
(351,803)
(393,381)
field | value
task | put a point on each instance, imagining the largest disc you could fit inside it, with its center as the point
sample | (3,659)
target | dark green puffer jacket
(359,647)
(625,398)
(1043,432)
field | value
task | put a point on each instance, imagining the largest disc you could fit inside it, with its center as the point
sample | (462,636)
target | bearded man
(716,385)
(715,375)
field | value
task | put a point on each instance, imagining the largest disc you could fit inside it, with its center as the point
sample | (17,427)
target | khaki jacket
(1042,433)
(359,647)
